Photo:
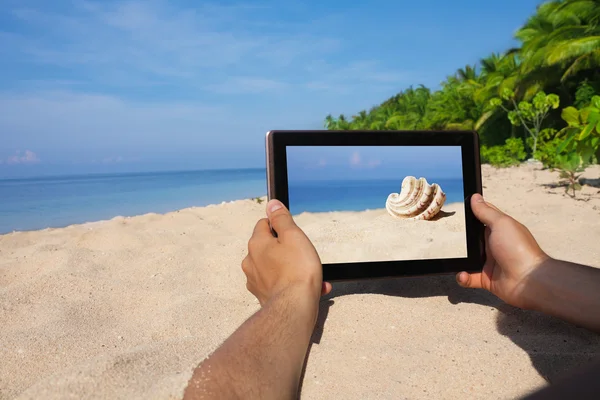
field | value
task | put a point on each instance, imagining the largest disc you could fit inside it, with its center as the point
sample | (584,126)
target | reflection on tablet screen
(352,204)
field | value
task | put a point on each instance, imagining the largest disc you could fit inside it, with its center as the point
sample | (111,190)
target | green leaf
(513,117)
(586,131)
(595,140)
(571,116)
(553,100)
(495,102)
(507,94)
(539,101)
(596,101)
(585,113)
(587,153)
(577,186)
(565,143)
(525,106)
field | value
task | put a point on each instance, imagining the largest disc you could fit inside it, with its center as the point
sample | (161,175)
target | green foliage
(582,134)
(584,94)
(547,148)
(504,96)
(570,167)
(511,153)
(530,115)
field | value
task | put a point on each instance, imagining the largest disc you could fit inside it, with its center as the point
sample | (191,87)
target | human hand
(512,255)
(274,264)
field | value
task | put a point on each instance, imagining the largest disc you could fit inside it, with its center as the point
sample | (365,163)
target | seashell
(417,200)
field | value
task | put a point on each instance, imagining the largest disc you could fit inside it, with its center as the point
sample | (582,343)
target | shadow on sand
(443,214)
(553,346)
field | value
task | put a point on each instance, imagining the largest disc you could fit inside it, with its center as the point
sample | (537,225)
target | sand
(336,235)
(127,308)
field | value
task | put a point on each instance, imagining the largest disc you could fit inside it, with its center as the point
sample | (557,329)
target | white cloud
(357,161)
(26,157)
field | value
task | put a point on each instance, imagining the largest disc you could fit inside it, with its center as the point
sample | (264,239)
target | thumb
(485,212)
(279,217)
(467,280)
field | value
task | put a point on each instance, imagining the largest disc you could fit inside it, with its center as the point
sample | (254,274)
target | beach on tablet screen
(379,203)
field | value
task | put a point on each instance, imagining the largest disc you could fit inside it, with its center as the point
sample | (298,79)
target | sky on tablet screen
(305,163)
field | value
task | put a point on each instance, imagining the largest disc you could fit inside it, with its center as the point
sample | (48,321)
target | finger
(326,288)
(467,280)
(279,216)
(247,265)
(260,236)
(262,229)
(485,212)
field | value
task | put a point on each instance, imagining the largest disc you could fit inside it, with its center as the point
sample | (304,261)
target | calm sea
(323,196)
(37,203)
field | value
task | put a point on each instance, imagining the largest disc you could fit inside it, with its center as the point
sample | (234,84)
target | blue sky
(307,163)
(100,86)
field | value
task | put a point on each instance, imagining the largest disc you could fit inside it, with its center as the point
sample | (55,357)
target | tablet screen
(379,203)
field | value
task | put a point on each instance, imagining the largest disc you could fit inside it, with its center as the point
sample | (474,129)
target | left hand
(274,264)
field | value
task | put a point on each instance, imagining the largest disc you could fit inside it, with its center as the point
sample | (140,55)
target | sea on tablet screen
(371,203)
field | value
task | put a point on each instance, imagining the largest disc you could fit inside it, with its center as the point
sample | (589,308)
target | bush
(511,153)
(547,148)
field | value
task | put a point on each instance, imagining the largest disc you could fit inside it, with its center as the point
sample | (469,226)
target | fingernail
(478,198)
(274,205)
(461,277)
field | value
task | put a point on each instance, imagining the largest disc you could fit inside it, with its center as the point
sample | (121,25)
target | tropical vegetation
(540,100)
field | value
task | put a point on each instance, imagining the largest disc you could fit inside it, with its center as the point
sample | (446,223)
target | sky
(146,85)
(306,163)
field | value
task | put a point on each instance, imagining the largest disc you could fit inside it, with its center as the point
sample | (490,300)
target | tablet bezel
(277,188)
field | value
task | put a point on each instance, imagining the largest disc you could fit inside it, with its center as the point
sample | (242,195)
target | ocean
(38,203)
(359,195)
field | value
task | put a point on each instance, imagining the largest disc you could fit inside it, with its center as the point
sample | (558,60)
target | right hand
(512,255)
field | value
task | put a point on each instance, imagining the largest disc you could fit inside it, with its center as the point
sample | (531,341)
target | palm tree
(561,40)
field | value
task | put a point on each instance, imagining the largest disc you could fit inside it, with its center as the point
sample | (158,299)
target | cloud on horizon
(26,157)
(357,161)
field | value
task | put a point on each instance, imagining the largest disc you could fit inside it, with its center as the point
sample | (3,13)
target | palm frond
(571,49)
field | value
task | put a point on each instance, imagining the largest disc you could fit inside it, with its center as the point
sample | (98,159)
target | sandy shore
(374,235)
(127,308)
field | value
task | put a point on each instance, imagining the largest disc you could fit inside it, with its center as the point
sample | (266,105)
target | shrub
(547,148)
(511,153)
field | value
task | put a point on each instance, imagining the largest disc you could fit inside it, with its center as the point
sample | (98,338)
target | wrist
(300,300)
(535,288)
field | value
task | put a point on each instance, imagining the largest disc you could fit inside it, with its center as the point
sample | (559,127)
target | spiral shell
(417,200)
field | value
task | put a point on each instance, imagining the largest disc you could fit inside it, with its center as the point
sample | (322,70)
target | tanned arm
(263,359)
(520,273)
(567,291)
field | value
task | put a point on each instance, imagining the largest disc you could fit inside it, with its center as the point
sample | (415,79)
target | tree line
(539,100)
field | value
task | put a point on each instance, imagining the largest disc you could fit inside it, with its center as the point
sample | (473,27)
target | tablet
(381,204)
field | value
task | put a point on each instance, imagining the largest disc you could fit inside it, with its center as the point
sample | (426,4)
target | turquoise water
(38,203)
(356,195)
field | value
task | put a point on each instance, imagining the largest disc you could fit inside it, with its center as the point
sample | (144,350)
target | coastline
(129,306)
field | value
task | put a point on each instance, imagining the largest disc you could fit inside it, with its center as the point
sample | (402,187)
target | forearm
(264,357)
(567,291)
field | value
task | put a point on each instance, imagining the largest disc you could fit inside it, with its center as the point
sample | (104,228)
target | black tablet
(380,204)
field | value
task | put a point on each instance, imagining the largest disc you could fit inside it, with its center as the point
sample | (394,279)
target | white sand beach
(337,235)
(127,308)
